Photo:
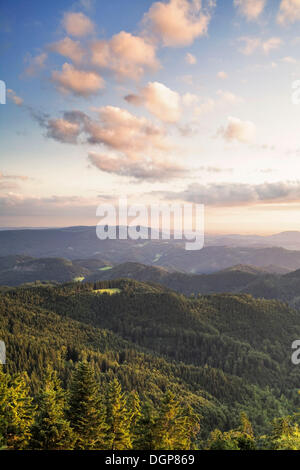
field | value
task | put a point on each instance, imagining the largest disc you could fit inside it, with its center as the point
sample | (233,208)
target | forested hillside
(221,354)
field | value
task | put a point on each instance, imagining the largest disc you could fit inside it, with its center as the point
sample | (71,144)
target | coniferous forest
(119,365)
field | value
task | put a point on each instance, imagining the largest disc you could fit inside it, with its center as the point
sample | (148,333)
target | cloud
(35,64)
(159,100)
(13,177)
(69,48)
(206,106)
(252,44)
(17,205)
(251,9)
(141,170)
(190,59)
(122,131)
(63,130)
(229,97)
(14,97)
(225,98)
(78,82)
(178,22)
(289,12)
(222,75)
(133,145)
(270,44)
(189,99)
(115,128)
(87,4)
(231,194)
(8,182)
(289,60)
(237,130)
(77,24)
(128,56)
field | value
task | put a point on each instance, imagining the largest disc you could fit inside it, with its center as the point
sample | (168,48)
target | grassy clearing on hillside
(107,291)
(79,279)
(105,268)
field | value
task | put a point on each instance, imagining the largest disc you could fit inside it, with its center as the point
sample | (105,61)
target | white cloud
(178,22)
(189,99)
(205,106)
(159,100)
(251,9)
(78,82)
(237,130)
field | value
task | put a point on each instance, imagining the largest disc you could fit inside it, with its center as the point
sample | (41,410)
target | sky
(174,101)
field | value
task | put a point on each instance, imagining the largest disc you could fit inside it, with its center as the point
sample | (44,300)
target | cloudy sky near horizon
(166,101)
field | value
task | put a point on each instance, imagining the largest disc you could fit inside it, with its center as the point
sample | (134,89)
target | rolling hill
(78,243)
(222,353)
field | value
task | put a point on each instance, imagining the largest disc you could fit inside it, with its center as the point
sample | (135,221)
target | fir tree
(51,431)
(174,427)
(118,418)
(4,399)
(16,411)
(143,435)
(86,413)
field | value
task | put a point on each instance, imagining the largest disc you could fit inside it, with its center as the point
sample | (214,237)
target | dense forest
(222,361)
(84,417)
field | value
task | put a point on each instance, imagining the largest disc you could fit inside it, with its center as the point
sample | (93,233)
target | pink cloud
(69,48)
(128,56)
(78,82)
(77,24)
(178,22)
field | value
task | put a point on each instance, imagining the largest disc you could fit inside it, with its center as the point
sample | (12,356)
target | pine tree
(86,413)
(118,418)
(16,411)
(51,431)
(134,410)
(143,435)
(174,428)
(4,398)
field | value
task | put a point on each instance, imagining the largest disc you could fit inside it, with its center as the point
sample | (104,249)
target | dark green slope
(243,336)
(35,336)
(15,270)
(231,280)
(237,279)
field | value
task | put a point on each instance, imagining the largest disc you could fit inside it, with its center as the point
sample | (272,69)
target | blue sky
(177,100)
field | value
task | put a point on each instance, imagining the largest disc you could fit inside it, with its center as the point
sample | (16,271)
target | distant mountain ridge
(219,253)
